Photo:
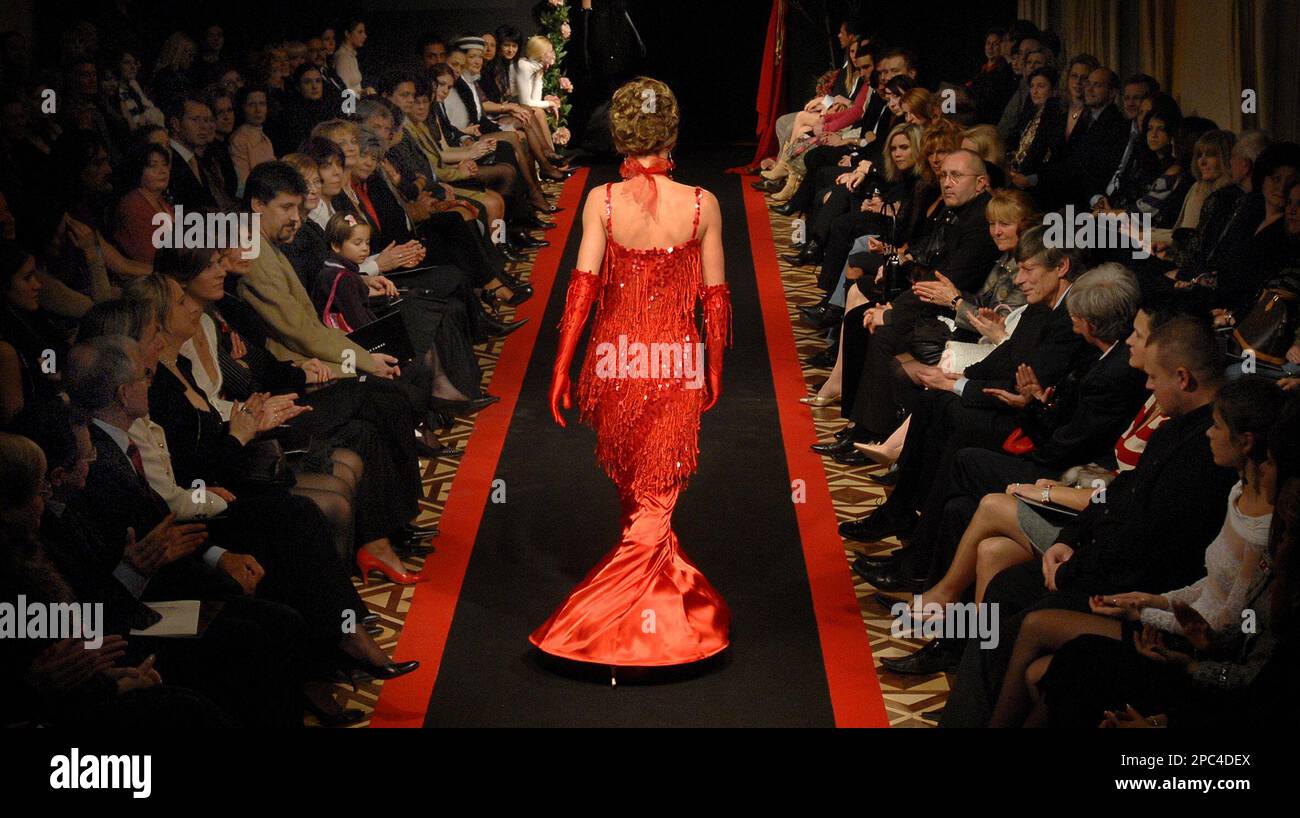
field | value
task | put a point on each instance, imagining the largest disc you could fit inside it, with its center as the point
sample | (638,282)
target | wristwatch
(956,299)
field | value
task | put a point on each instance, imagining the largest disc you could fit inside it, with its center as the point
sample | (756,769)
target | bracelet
(1047,494)
(956,299)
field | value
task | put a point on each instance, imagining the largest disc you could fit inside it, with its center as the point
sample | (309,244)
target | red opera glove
(583,287)
(716,301)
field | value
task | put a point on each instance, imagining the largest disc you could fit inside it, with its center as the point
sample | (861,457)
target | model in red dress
(644,604)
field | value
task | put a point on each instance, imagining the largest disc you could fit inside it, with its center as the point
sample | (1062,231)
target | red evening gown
(644,604)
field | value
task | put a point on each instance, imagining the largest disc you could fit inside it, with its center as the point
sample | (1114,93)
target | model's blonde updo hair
(644,123)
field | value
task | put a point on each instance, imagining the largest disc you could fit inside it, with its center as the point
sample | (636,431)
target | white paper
(179,618)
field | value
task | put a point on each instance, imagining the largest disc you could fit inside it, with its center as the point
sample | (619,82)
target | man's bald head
(962,177)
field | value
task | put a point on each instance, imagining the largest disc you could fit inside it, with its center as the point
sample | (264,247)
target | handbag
(929,338)
(1269,329)
(331,317)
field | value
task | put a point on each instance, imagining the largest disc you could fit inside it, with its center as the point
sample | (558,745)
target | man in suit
(190,128)
(960,248)
(1087,168)
(1150,534)
(1133,172)
(960,411)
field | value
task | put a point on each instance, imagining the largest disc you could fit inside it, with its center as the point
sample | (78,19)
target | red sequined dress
(645,604)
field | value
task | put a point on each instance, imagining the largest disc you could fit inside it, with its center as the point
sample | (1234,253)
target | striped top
(1129,447)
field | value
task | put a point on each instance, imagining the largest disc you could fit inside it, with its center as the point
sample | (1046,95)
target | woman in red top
(149,169)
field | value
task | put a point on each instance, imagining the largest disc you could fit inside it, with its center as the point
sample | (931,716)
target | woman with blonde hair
(658,246)
(171,70)
(527,77)
(985,141)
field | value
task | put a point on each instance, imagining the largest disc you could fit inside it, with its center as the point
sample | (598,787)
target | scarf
(641,184)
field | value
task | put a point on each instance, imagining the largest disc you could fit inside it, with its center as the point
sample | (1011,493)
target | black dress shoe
(511,254)
(534,223)
(872,528)
(785,209)
(761,184)
(428,452)
(464,407)
(889,478)
(846,432)
(500,329)
(853,458)
(838,447)
(938,656)
(881,559)
(794,259)
(523,241)
(888,578)
(823,317)
(389,671)
(824,359)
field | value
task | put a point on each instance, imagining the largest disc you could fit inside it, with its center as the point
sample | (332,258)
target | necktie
(1123,163)
(137,463)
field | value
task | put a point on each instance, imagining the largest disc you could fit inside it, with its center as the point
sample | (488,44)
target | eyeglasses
(954,175)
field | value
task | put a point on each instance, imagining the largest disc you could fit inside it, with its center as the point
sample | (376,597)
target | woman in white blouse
(346,67)
(526,76)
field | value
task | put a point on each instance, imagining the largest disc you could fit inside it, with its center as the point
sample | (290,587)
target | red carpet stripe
(403,701)
(846,649)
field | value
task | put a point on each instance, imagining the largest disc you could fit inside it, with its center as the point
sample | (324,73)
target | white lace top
(1233,562)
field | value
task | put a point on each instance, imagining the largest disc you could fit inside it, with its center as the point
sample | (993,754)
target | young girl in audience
(340,292)
(1236,562)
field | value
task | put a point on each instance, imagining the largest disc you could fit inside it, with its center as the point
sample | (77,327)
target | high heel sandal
(367,562)
(817,402)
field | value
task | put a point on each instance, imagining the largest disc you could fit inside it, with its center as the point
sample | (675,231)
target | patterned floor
(906,698)
(391,602)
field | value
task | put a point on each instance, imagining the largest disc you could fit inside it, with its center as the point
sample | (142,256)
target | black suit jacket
(1089,164)
(956,242)
(187,190)
(112,502)
(1044,339)
(1088,411)
(1152,531)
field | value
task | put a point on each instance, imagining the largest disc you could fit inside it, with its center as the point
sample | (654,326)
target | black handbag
(929,338)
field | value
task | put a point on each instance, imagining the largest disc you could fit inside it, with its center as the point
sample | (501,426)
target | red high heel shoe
(367,562)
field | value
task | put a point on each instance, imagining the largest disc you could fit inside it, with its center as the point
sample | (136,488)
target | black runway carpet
(560,515)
